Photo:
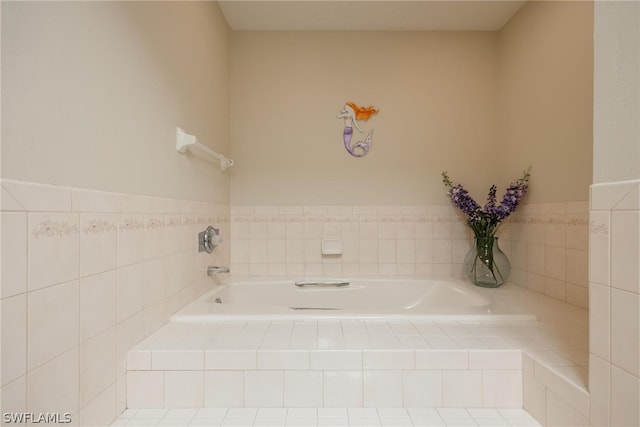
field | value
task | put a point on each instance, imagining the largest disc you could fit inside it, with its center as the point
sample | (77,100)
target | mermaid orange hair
(362,113)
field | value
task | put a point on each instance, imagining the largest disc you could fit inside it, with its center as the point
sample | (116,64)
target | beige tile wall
(546,243)
(85,276)
(377,240)
(614,280)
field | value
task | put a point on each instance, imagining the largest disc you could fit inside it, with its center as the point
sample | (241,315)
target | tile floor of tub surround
(320,417)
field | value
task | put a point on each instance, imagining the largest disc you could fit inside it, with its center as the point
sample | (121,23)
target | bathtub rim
(498,312)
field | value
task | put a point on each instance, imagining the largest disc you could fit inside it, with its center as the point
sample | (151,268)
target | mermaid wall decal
(351,113)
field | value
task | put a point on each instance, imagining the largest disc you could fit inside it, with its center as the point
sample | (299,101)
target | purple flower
(463,200)
(512,196)
(485,220)
(490,207)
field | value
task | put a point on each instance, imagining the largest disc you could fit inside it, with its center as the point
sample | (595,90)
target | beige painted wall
(617,92)
(546,98)
(436,95)
(483,106)
(93,92)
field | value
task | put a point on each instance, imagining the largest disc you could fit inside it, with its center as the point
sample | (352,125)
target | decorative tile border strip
(599,228)
(131,225)
(541,219)
(99,226)
(401,219)
(173,222)
(50,228)
(154,223)
(404,219)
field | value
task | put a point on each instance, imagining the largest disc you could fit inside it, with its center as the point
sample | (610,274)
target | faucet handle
(209,239)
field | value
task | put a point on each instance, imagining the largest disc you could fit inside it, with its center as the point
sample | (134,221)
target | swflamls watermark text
(35,418)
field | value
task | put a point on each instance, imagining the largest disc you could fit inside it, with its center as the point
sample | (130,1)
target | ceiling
(368,15)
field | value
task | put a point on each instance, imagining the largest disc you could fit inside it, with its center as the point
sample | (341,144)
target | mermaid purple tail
(360,148)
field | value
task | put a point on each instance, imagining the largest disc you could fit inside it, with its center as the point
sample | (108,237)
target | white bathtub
(334,299)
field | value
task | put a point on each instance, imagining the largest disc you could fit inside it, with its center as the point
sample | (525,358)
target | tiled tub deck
(539,365)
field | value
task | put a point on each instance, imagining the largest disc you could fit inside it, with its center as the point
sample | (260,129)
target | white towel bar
(185,140)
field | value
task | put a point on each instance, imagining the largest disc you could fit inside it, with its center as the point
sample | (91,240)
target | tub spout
(213,270)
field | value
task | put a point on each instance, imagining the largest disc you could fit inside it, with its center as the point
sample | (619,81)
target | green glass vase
(485,264)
